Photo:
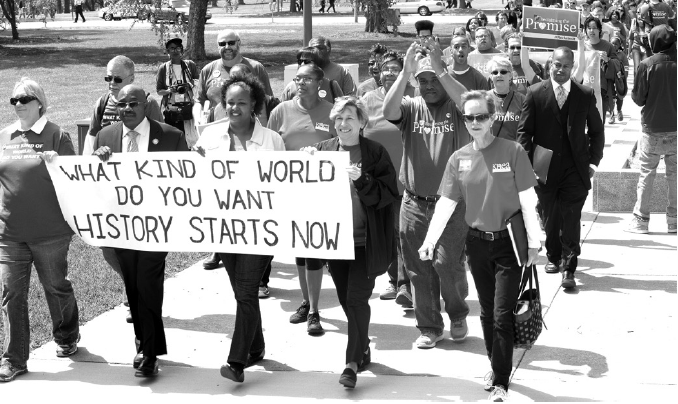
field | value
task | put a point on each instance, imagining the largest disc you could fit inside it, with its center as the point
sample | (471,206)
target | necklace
(502,97)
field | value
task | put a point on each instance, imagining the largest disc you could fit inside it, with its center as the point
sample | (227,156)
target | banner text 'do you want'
(290,203)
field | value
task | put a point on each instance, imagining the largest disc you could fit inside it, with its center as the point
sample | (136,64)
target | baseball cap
(177,41)
(424,66)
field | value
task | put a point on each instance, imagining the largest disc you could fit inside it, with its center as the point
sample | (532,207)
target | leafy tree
(9,12)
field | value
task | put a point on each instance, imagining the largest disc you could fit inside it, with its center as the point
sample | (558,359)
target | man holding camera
(175,81)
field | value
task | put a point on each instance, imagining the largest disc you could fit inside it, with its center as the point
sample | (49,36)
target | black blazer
(540,124)
(168,138)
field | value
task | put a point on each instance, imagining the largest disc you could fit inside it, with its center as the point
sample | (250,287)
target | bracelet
(444,72)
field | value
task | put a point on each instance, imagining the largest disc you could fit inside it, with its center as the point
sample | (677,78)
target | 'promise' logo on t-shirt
(434,128)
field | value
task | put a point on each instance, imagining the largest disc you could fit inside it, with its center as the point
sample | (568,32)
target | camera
(179,88)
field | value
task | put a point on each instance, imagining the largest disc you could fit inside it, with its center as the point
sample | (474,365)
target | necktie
(132,146)
(561,97)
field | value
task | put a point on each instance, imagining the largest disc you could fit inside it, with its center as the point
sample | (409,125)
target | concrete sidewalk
(609,340)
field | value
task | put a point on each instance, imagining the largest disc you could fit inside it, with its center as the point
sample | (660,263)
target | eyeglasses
(24,100)
(115,79)
(515,47)
(179,50)
(304,61)
(480,118)
(392,70)
(304,80)
(498,72)
(229,43)
(132,104)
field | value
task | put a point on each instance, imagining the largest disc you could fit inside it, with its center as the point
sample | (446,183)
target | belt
(489,235)
(430,198)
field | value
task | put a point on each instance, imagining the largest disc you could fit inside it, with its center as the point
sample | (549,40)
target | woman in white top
(242,97)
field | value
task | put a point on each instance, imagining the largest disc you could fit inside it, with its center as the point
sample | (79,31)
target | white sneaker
(498,395)
(489,381)
(428,339)
(638,225)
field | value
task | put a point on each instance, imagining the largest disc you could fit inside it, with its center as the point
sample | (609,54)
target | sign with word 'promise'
(550,27)
(240,202)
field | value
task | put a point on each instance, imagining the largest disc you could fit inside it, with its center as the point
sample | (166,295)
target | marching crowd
(440,157)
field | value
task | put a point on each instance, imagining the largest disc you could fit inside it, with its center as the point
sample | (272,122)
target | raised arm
(395,94)
(453,88)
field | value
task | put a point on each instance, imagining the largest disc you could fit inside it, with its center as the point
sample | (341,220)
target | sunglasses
(24,100)
(480,118)
(229,43)
(304,61)
(115,79)
(132,104)
(515,47)
(498,72)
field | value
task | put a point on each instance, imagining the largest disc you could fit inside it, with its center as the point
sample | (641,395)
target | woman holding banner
(33,230)
(243,96)
(491,197)
(594,32)
(303,121)
(373,191)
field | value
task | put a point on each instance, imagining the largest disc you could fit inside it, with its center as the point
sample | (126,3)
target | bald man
(143,271)
(214,74)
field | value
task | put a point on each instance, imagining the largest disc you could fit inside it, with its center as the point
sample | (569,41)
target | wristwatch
(444,72)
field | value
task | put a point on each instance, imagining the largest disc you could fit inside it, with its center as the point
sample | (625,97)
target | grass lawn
(70,65)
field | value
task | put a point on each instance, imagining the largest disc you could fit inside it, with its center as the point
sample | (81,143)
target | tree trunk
(293,6)
(195,46)
(241,2)
(462,4)
(9,10)
(375,16)
(214,3)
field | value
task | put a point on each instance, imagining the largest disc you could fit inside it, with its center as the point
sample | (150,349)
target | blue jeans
(445,274)
(496,274)
(50,258)
(397,276)
(651,147)
(354,289)
(245,272)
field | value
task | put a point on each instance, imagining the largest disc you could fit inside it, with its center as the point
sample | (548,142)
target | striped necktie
(132,146)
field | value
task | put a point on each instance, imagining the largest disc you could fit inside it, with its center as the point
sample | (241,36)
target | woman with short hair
(33,231)
(508,102)
(495,178)
(304,121)
(373,191)
(329,89)
(242,96)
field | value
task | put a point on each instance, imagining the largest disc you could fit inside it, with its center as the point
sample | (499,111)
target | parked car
(154,14)
(421,7)
(179,13)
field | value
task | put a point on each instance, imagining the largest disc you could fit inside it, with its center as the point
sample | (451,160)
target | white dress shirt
(144,130)
(37,127)
(216,137)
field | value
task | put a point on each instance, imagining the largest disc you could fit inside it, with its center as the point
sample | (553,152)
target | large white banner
(269,203)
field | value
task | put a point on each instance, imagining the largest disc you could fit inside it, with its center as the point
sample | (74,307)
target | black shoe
(313,326)
(301,314)
(348,378)
(232,374)
(212,262)
(367,359)
(148,367)
(552,267)
(251,360)
(129,318)
(137,360)
(568,280)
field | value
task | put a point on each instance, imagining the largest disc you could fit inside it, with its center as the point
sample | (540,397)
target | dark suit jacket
(540,124)
(169,138)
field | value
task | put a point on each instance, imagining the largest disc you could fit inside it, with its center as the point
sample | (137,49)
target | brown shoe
(568,280)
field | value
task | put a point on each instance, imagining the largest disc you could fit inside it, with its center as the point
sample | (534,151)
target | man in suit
(143,271)
(556,114)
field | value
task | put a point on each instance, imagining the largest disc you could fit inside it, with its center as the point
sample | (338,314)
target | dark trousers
(354,289)
(244,272)
(397,276)
(78,11)
(266,277)
(496,274)
(144,275)
(561,209)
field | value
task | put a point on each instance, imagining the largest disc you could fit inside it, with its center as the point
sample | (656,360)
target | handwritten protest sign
(550,27)
(251,203)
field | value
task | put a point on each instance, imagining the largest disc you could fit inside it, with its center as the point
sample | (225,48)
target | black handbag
(527,317)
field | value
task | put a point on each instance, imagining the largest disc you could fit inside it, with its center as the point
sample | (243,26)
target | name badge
(464,165)
(322,126)
(501,168)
